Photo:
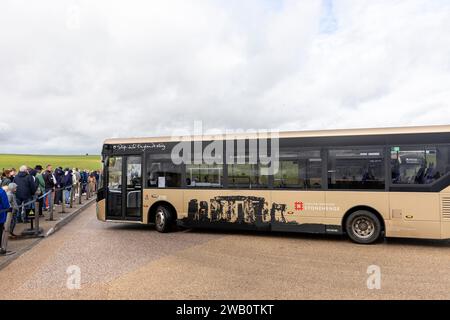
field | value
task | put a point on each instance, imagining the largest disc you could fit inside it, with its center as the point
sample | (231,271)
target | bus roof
(294,134)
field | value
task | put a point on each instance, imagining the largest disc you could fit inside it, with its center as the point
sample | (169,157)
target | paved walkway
(131,261)
(23,243)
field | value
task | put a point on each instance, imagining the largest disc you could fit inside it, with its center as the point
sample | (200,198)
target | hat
(38,167)
(12,186)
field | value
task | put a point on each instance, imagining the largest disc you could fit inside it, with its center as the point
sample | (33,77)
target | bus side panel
(305,212)
(172,196)
(241,209)
(414,215)
(301,204)
(101,210)
(445,214)
(445,230)
(291,211)
(340,202)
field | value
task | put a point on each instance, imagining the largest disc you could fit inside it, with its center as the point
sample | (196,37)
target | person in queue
(26,189)
(40,184)
(7,177)
(67,184)
(50,182)
(11,193)
(92,182)
(4,207)
(77,177)
(59,176)
(97,179)
(84,181)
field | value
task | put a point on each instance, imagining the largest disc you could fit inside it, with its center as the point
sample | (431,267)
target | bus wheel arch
(360,210)
(165,206)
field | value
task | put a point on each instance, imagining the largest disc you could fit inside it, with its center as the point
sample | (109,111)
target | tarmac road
(120,261)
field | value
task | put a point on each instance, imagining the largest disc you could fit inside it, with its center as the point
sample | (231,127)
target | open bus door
(124,188)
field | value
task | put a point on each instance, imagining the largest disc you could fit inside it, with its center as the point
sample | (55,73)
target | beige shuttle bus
(366,183)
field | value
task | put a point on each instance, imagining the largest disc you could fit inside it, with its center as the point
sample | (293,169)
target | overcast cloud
(73,73)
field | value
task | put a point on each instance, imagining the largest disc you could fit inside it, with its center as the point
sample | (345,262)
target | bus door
(124,181)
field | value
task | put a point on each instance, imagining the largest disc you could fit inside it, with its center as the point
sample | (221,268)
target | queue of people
(20,190)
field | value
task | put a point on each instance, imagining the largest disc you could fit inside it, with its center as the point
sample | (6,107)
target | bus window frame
(436,186)
(184,173)
(382,153)
(298,158)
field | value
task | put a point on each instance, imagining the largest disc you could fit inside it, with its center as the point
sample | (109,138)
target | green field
(82,162)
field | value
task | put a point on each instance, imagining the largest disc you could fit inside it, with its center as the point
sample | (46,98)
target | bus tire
(163,219)
(363,227)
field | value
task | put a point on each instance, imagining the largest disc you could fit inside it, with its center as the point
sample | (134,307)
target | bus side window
(163,174)
(204,175)
(356,168)
(299,168)
(419,164)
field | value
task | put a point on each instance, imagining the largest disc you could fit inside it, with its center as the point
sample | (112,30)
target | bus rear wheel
(363,227)
(163,219)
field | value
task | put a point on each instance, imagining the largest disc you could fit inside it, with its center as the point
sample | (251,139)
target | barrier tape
(20,207)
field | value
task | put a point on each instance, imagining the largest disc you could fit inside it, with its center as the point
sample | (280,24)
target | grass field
(82,162)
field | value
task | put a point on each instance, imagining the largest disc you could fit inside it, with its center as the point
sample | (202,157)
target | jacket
(67,180)
(40,182)
(84,177)
(12,200)
(6,182)
(59,175)
(48,179)
(26,187)
(77,176)
(4,205)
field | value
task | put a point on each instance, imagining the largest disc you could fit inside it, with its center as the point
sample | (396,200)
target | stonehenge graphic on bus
(236,209)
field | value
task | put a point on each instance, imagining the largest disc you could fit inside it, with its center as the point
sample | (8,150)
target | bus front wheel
(363,227)
(163,219)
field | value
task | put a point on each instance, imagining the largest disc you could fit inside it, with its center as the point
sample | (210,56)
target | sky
(75,72)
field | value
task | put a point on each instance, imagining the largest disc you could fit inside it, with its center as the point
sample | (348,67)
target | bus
(367,184)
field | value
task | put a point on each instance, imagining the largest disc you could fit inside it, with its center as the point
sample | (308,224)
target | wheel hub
(363,227)
(160,219)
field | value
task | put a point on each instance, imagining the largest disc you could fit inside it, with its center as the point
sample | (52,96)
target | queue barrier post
(72,191)
(51,201)
(35,230)
(36,215)
(63,202)
(80,192)
(30,218)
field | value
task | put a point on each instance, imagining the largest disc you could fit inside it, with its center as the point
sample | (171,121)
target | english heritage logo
(299,206)
(302,206)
